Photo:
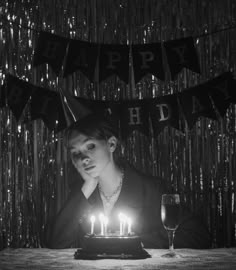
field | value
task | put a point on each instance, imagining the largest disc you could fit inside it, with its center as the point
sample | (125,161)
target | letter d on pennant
(161,107)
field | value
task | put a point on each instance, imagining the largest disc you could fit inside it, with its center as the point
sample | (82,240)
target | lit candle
(101,217)
(92,219)
(105,222)
(121,218)
(129,225)
(124,224)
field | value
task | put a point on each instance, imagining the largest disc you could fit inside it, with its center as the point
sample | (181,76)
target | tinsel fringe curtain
(199,164)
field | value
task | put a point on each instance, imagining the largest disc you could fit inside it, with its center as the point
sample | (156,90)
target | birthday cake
(111,246)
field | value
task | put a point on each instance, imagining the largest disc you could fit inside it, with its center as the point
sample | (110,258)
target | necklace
(109,197)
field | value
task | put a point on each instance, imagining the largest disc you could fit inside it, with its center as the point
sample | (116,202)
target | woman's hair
(94,126)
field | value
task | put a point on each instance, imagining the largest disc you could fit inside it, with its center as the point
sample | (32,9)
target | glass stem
(171,235)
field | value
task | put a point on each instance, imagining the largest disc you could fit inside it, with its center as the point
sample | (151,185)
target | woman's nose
(85,159)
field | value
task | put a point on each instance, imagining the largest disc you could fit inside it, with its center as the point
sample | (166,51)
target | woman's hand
(90,183)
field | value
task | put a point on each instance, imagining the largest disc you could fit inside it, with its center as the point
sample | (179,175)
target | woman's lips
(89,168)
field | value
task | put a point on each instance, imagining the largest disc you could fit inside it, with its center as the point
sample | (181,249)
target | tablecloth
(46,259)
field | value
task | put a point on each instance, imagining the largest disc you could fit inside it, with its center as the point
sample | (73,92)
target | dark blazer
(140,198)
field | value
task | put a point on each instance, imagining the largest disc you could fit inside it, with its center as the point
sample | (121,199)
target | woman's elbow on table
(54,239)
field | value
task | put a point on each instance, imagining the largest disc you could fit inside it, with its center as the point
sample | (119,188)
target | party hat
(73,109)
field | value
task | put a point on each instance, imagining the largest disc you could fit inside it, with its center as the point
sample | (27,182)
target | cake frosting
(99,246)
(112,244)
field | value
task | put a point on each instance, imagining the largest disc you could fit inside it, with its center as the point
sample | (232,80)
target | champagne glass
(170,216)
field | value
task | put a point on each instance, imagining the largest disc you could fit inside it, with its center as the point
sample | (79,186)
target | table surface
(41,258)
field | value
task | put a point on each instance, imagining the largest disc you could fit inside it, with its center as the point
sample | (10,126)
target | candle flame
(92,219)
(105,220)
(122,217)
(101,217)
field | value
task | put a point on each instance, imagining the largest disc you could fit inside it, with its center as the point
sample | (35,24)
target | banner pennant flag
(103,108)
(81,56)
(46,105)
(134,116)
(114,60)
(226,85)
(196,103)
(18,93)
(181,53)
(50,49)
(147,59)
(218,89)
(164,111)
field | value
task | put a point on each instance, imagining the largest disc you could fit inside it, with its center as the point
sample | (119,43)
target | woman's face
(90,155)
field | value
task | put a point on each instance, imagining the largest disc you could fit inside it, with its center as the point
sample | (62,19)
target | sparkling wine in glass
(170,216)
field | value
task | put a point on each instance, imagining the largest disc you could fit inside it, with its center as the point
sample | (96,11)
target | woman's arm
(63,230)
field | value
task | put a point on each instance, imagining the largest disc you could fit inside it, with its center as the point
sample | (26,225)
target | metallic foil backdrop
(200,163)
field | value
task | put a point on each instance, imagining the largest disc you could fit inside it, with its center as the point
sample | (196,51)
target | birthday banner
(210,99)
(113,59)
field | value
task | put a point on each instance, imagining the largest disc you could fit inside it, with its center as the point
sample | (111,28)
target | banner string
(195,37)
(215,32)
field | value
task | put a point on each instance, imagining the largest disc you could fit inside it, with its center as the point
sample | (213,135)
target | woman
(111,186)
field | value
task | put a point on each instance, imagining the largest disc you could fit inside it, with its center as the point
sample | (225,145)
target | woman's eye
(91,146)
(76,155)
